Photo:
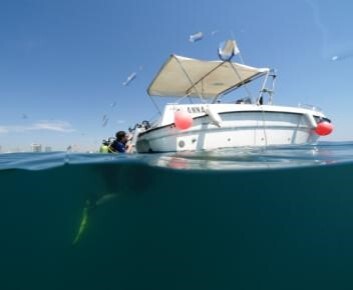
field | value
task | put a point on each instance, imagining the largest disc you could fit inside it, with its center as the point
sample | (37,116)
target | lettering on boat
(196,109)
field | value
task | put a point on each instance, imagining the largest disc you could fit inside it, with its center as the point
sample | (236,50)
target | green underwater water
(167,227)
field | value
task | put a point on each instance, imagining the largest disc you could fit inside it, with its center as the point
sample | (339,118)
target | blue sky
(63,63)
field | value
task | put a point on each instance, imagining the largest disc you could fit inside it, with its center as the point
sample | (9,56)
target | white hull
(242,125)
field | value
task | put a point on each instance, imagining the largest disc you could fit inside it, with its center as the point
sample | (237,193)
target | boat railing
(310,107)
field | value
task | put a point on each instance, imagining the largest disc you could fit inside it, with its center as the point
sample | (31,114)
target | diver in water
(121,143)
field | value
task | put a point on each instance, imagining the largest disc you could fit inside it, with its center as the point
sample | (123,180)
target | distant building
(36,147)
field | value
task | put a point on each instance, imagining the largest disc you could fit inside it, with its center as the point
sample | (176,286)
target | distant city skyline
(47,149)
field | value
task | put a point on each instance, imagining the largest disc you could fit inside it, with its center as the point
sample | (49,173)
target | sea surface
(270,218)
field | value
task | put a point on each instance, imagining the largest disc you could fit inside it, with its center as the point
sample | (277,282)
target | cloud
(3,130)
(57,126)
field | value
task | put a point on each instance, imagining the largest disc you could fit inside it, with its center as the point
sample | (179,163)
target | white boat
(211,124)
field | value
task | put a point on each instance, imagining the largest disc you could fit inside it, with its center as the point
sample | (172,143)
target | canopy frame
(160,87)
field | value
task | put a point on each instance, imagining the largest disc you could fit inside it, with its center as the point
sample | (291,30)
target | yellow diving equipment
(83,224)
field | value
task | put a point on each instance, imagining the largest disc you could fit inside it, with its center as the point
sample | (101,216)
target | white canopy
(181,76)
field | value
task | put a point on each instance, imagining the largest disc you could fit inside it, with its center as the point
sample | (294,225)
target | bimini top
(181,76)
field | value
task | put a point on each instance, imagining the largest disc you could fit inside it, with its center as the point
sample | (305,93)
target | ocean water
(273,218)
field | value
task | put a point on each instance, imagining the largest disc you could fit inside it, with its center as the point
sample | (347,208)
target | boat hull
(238,129)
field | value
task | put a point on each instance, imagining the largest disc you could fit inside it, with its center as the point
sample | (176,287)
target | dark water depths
(235,219)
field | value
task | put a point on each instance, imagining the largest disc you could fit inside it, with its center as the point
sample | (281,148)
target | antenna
(226,51)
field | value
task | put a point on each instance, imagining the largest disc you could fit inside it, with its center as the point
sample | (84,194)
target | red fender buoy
(324,128)
(182,120)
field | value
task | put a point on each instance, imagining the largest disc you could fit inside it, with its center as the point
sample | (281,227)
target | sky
(63,63)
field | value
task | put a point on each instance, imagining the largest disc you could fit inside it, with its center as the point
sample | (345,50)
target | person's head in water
(120,143)
(122,137)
